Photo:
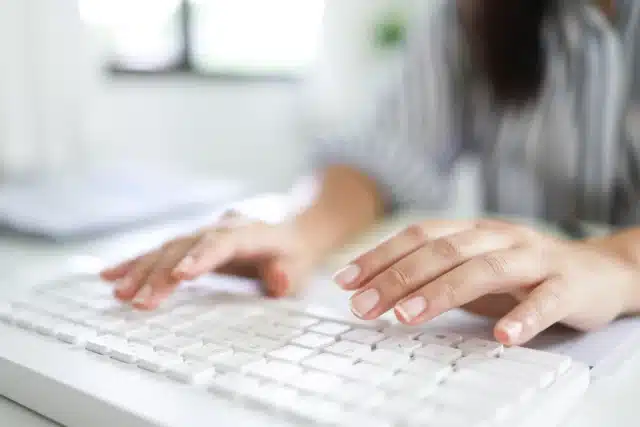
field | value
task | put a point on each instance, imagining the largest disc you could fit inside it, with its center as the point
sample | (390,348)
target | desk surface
(609,402)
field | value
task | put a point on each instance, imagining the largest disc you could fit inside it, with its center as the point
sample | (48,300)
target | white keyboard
(80,358)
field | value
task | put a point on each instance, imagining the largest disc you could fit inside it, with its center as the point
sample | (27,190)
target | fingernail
(143,295)
(186,264)
(347,275)
(513,330)
(363,303)
(412,308)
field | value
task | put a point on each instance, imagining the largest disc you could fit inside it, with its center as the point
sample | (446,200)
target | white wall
(57,112)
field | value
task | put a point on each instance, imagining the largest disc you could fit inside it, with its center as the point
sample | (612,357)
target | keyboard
(72,353)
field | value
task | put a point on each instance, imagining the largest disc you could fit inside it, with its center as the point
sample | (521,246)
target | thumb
(282,277)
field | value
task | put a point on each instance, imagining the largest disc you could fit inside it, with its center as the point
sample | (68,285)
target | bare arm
(348,202)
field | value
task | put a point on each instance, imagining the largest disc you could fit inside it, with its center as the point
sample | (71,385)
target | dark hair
(508,41)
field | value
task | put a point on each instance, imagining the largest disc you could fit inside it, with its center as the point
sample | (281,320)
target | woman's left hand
(433,267)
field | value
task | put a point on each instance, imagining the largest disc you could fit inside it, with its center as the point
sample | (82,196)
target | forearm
(347,203)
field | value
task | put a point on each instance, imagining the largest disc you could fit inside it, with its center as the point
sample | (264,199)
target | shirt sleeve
(411,143)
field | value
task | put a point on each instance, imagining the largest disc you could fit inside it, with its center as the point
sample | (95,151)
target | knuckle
(496,264)
(398,279)
(447,248)
(416,233)
(451,292)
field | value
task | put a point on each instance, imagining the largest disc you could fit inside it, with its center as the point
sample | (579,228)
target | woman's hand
(529,279)
(273,253)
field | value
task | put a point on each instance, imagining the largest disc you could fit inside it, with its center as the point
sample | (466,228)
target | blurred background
(103,103)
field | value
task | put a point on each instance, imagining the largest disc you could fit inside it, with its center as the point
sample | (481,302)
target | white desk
(24,260)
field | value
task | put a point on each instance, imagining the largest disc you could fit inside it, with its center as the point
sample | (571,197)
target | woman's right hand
(274,254)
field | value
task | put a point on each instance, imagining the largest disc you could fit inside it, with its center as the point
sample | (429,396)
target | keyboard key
(297,322)
(74,334)
(316,410)
(235,361)
(315,382)
(427,368)
(258,345)
(329,363)
(515,370)
(486,383)
(291,353)
(357,394)
(103,344)
(405,345)
(397,407)
(276,332)
(390,359)
(478,346)
(191,372)
(130,352)
(350,349)
(401,331)
(364,336)
(209,352)
(330,328)
(445,339)
(416,385)
(158,361)
(273,369)
(313,340)
(178,344)
(559,363)
(438,353)
(149,336)
(367,373)
(233,384)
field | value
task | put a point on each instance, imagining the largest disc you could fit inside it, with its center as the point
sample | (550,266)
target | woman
(532,87)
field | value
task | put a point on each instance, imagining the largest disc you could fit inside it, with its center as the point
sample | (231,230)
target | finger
(549,303)
(119,271)
(160,281)
(434,259)
(493,272)
(217,247)
(130,285)
(277,276)
(373,262)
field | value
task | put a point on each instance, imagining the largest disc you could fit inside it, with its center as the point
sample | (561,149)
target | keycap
(257,345)
(191,372)
(416,385)
(348,349)
(330,328)
(352,393)
(329,363)
(388,358)
(297,322)
(478,346)
(276,332)
(397,407)
(276,396)
(367,373)
(209,352)
(74,334)
(233,384)
(150,336)
(235,361)
(291,353)
(438,353)
(314,382)
(130,352)
(401,331)
(421,417)
(158,361)
(28,319)
(169,322)
(364,336)
(405,345)
(544,376)
(427,368)
(313,340)
(559,363)
(445,339)
(178,344)
(488,383)
(103,344)
(273,369)
(317,410)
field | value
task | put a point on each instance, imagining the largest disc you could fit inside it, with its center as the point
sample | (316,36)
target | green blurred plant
(391,30)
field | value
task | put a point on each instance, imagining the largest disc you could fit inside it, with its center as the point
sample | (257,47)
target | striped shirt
(564,157)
